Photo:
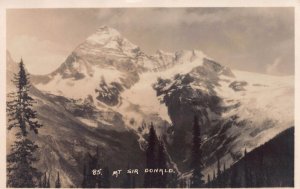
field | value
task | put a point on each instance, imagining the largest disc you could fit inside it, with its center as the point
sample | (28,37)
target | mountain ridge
(123,91)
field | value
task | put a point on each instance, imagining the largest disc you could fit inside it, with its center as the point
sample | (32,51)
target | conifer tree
(234,178)
(57,182)
(197,176)
(173,181)
(133,184)
(182,183)
(19,109)
(261,171)
(219,179)
(162,164)
(219,168)
(247,172)
(22,117)
(127,179)
(208,181)
(84,181)
(214,175)
(224,177)
(48,182)
(40,182)
(21,173)
(45,180)
(106,178)
(149,179)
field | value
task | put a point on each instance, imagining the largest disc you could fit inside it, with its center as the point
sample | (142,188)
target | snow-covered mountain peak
(188,55)
(107,41)
(102,35)
(107,29)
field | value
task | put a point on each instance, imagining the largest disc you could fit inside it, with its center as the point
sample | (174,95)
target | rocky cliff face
(108,89)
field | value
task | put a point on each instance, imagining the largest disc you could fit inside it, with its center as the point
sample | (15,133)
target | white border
(16,4)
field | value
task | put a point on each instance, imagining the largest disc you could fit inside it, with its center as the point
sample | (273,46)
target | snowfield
(255,106)
(144,95)
(81,88)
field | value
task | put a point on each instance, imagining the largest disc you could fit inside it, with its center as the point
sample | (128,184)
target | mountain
(107,91)
(104,65)
(238,109)
(11,69)
(72,129)
(269,165)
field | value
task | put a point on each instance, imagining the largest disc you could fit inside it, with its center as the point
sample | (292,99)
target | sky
(251,39)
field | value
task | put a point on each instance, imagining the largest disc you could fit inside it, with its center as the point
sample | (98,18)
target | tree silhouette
(106,178)
(133,184)
(214,175)
(208,181)
(19,108)
(197,176)
(173,181)
(234,178)
(48,182)
(162,164)
(84,181)
(149,179)
(57,182)
(127,179)
(21,116)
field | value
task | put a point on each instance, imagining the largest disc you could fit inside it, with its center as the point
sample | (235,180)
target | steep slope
(72,129)
(269,165)
(105,65)
(105,57)
(108,85)
(11,68)
(237,111)
(140,103)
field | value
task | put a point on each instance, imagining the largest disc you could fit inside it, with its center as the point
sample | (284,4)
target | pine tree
(133,184)
(40,182)
(224,177)
(234,177)
(261,171)
(127,179)
(21,173)
(45,180)
(214,175)
(208,181)
(173,181)
(219,179)
(182,183)
(57,182)
(21,116)
(219,168)
(84,181)
(106,178)
(48,182)
(162,164)
(20,112)
(197,177)
(149,179)
(247,172)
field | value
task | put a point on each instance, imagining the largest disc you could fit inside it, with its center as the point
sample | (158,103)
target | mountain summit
(109,83)
(107,41)
(108,57)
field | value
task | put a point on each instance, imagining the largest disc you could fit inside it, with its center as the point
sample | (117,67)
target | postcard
(149,95)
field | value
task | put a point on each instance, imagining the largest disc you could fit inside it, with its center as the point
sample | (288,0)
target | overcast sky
(251,39)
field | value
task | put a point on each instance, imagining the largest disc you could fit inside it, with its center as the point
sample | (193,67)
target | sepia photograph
(150,97)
